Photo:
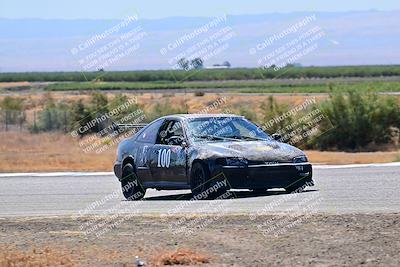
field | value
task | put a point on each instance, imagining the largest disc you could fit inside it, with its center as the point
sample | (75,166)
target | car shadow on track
(236,195)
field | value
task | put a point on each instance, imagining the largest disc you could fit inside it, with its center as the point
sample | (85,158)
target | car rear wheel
(130,184)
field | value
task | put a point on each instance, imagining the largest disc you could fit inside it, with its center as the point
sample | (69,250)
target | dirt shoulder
(328,240)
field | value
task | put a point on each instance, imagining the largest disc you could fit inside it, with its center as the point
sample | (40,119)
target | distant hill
(350,38)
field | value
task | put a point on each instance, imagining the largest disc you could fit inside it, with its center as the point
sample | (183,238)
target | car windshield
(224,128)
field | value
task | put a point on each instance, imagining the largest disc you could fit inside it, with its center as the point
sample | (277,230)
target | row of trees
(198,63)
(206,75)
(185,64)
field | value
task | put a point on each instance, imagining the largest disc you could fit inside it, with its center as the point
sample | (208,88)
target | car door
(146,140)
(167,158)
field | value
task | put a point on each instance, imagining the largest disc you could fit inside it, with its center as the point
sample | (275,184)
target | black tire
(130,184)
(200,181)
(198,178)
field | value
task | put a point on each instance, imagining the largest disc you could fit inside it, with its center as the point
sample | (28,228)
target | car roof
(195,116)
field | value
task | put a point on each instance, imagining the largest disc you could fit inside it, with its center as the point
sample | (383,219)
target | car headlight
(300,159)
(232,161)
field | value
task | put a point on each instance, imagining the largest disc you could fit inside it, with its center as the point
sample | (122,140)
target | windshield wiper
(254,138)
(216,137)
(233,137)
(211,137)
(243,137)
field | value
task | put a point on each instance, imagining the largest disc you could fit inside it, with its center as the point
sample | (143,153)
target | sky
(105,9)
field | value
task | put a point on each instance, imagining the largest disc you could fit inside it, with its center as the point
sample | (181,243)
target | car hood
(271,151)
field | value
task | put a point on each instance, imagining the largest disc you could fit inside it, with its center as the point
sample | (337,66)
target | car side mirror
(277,137)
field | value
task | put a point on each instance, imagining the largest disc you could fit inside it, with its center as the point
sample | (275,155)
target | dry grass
(328,157)
(10,256)
(13,84)
(70,256)
(39,255)
(181,256)
(24,152)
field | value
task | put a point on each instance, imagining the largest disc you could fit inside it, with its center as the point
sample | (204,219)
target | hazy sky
(72,9)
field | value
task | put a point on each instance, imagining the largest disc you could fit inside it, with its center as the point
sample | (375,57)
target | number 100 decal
(164,158)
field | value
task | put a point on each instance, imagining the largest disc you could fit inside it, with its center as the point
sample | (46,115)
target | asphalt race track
(339,189)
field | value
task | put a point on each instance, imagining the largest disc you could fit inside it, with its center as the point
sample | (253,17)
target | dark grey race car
(203,152)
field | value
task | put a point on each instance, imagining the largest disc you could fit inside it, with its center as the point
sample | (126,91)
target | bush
(359,120)
(80,116)
(166,108)
(12,111)
(247,112)
(54,117)
(131,111)
(273,110)
(199,93)
(352,121)
(96,115)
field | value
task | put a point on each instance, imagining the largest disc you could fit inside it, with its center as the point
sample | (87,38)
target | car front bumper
(280,175)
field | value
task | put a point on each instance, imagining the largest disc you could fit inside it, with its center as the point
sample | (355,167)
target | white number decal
(167,158)
(164,158)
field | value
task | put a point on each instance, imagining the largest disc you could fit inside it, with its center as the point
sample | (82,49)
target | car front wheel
(202,185)
(130,184)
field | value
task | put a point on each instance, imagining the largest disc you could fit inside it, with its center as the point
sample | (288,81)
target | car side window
(171,133)
(150,133)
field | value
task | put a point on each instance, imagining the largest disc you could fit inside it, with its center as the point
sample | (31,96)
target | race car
(208,153)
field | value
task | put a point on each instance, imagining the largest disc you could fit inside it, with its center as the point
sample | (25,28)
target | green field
(205,75)
(242,87)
